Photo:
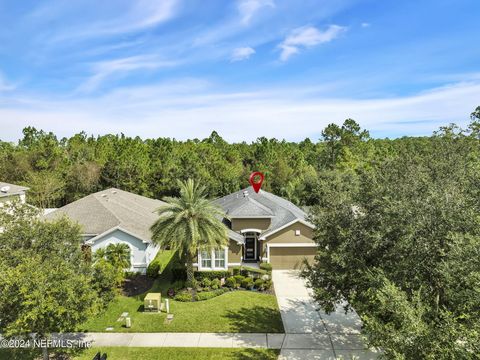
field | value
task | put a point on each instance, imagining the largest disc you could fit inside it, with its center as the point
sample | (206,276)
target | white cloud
(307,36)
(242,53)
(6,85)
(138,15)
(248,8)
(193,108)
(365,24)
(106,69)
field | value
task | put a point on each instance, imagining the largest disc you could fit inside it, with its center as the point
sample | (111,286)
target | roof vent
(245,193)
(5,189)
(104,195)
(114,191)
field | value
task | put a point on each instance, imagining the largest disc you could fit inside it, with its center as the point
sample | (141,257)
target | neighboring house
(10,192)
(262,227)
(114,216)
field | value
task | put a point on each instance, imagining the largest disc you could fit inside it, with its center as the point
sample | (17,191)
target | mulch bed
(136,285)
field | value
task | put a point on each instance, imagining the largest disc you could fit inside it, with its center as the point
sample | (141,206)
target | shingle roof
(11,189)
(107,209)
(249,208)
(280,210)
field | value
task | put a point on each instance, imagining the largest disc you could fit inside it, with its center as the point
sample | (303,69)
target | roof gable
(111,208)
(248,203)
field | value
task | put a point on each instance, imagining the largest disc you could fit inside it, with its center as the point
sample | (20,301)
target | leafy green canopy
(46,285)
(400,241)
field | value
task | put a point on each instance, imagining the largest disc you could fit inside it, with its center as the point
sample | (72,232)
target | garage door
(284,258)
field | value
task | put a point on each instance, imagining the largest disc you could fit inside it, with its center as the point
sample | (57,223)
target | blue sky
(244,68)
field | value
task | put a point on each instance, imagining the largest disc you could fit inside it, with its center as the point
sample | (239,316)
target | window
(206,259)
(297,232)
(220,258)
(215,259)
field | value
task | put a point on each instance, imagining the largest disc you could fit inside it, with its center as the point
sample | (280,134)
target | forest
(59,171)
(397,220)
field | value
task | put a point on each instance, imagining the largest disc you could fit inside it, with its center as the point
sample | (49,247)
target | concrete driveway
(312,334)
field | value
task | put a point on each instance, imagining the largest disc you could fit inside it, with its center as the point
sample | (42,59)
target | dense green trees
(46,284)
(400,241)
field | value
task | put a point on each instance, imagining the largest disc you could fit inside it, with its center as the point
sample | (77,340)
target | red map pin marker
(256,184)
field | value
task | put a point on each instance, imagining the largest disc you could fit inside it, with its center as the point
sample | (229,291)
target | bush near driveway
(248,271)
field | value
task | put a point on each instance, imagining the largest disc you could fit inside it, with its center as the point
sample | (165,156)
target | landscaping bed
(136,284)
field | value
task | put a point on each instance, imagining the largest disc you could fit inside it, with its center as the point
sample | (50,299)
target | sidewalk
(209,340)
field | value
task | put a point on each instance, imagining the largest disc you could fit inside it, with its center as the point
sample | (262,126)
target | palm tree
(99,254)
(118,255)
(189,223)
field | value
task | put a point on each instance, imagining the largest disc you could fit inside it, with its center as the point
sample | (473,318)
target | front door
(250,243)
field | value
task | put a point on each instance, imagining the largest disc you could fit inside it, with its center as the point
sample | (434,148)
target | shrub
(230,282)
(153,269)
(266,266)
(106,278)
(183,296)
(247,283)
(259,284)
(206,282)
(248,271)
(209,294)
(175,288)
(267,284)
(192,284)
(200,275)
(215,284)
(238,278)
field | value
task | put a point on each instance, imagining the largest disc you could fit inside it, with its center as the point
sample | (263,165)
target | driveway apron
(311,333)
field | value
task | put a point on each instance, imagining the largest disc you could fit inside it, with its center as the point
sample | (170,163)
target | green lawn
(124,353)
(236,311)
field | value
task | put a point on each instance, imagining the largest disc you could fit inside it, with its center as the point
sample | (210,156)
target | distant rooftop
(7,189)
(107,209)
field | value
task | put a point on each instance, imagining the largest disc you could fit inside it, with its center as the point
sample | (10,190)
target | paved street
(312,334)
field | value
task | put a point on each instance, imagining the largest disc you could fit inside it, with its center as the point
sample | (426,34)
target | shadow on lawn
(253,354)
(250,320)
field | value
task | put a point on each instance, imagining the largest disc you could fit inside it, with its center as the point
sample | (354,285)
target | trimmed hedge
(183,296)
(186,296)
(266,266)
(206,295)
(216,274)
(247,283)
(248,271)
(230,282)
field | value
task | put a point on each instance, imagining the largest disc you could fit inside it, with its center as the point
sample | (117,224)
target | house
(261,227)
(115,216)
(10,192)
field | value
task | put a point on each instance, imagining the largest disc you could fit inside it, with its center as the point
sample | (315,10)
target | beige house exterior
(262,228)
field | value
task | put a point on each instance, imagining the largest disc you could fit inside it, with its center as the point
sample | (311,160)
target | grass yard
(181,354)
(236,311)
(125,353)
